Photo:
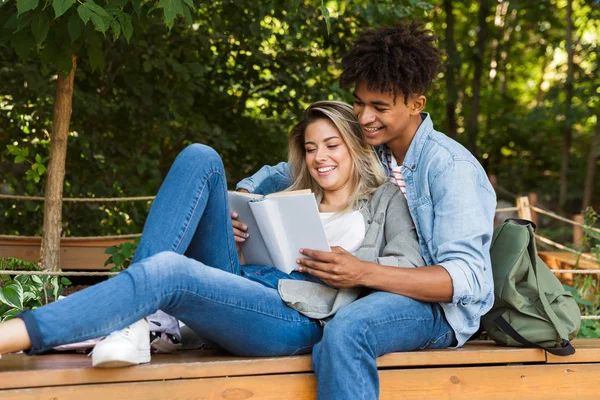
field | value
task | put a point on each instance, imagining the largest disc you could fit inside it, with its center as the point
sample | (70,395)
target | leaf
(23,43)
(65,281)
(10,314)
(26,5)
(171,8)
(61,6)
(99,16)
(111,250)
(126,25)
(116,28)
(96,58)
(325,12)
(118,259)
(84,13)
(190,3)
(12,295)
(40,24)
(22,279)
(127,249)
(64,62)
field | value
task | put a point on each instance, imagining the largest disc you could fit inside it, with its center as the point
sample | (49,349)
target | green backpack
(531,307)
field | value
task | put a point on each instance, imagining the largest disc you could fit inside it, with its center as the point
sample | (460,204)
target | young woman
(187,265)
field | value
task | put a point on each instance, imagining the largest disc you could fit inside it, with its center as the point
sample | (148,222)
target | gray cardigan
(390,239)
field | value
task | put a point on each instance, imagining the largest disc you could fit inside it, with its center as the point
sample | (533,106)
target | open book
(279,225)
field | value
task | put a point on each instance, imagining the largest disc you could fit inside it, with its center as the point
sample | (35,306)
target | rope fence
(563,219)
(79,199)
(56,273)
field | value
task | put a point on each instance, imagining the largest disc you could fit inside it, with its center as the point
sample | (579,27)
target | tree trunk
(451,87)
(591,166)
(567,131)
(50,250)
(478,64)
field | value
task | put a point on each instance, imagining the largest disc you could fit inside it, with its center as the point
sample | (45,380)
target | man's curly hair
(393,59)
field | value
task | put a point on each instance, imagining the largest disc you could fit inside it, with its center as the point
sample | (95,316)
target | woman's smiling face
(327,157)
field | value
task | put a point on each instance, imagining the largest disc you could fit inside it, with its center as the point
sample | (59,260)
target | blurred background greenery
(241,74)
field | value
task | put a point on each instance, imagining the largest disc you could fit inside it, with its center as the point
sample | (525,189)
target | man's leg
(377,324)
(243,317)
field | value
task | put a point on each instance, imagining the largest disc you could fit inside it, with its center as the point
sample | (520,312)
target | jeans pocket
(266,275)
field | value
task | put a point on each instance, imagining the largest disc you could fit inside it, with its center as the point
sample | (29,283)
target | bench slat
(533,382)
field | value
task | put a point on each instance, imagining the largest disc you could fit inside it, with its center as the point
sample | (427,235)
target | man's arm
(398,269)
(268,179)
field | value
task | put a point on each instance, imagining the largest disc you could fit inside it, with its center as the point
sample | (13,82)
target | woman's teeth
(326,169)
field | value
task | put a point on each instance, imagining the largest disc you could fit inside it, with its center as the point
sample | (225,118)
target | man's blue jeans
(187,266)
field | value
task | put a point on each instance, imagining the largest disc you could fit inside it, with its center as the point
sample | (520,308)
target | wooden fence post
(533,201)
(578,231)
(523,206)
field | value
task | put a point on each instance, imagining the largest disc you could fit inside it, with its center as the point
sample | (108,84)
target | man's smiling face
(384,120)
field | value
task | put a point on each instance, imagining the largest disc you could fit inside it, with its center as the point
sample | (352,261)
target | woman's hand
(239,228)
(337,268)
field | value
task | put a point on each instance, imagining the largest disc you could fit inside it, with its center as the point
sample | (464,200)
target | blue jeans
(186,265)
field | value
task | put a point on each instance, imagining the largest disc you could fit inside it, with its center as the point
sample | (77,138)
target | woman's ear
(417,104)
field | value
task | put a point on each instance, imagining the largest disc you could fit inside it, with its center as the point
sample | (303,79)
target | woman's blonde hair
(367,173)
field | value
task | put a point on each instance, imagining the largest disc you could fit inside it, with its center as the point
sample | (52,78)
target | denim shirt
(452,204)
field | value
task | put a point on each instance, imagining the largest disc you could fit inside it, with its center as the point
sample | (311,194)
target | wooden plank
(280,387)
(70,369)
(531,382)
(586,351)
(476,352)
(74,255)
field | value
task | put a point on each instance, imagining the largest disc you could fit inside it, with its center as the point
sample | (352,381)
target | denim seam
(307,321)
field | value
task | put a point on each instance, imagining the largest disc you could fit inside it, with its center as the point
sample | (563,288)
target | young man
(451,202)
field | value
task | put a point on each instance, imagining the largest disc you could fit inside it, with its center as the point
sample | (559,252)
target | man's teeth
(371,129)
(325,169)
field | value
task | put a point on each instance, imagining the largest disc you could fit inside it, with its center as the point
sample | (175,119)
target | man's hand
(337,268)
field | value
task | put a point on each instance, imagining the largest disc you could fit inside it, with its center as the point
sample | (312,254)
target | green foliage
(121,255)
(586,288)
(26,292)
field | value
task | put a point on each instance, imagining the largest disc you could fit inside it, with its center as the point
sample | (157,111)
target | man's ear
(417,104)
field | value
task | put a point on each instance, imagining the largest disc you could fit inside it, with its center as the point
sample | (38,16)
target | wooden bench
(479,370)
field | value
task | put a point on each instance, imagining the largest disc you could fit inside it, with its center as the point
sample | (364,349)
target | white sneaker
(129,346)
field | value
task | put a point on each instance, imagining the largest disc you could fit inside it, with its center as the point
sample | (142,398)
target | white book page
(300,226)
(254,248)
(269,223)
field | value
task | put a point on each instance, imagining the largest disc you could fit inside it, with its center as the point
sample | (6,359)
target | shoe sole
(112,362)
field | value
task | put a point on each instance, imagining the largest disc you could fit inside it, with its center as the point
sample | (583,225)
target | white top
(345,230)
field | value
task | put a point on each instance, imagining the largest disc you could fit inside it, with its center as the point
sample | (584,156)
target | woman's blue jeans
(187,266)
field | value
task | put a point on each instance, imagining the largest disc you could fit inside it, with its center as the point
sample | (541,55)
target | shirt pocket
(423,216)
(374,227)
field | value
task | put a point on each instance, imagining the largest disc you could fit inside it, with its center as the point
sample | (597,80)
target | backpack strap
(566,348)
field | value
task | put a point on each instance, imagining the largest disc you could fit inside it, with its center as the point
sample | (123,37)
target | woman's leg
(190,214)
(345,360)
(242,316)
